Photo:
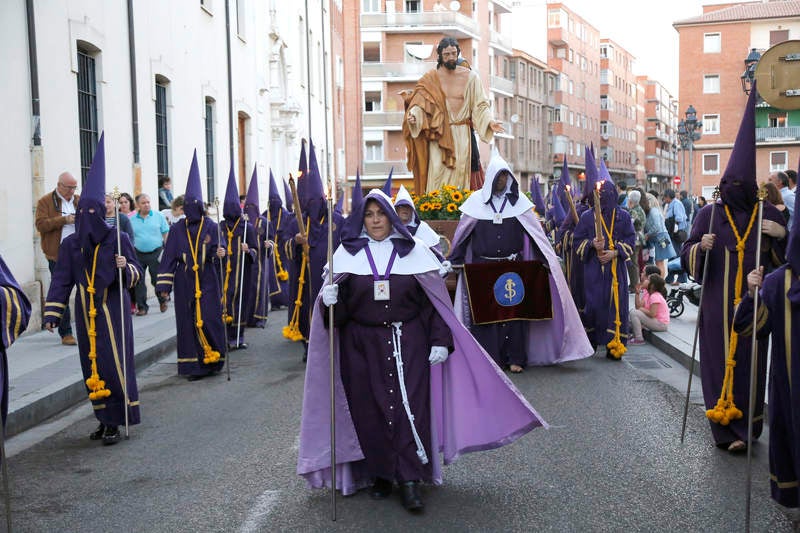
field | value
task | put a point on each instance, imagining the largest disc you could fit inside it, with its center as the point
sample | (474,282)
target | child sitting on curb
(651,308)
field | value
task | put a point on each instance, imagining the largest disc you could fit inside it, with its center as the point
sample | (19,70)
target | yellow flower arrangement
(441,204)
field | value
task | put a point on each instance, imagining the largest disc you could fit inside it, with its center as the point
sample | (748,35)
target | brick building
(618,112)
(661,144)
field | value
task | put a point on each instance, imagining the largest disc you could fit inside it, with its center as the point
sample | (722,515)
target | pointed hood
(287,193)
(608,189)
(387,185)
(312,195)
(354,234)
(231,208)
(591,175)
(404,198)
(358,194)
(275,202)
(302,169)
(251,207)
(339,204)
(557,211)
(91,227)
(536,195)
(193,206)
(738,187)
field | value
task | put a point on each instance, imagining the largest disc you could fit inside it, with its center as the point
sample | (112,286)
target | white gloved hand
(447,265)
(330,294)
(438,355)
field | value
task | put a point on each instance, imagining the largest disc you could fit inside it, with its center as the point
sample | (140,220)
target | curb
(684,359)
(74,393)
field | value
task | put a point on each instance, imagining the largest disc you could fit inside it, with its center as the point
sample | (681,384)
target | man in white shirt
(781,181)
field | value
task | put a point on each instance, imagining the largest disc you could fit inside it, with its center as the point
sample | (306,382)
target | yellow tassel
(210,356)
(93,382)
(615,347)
(292,331)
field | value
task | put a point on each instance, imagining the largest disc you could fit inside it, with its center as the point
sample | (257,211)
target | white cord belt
(397,332)
(512,257)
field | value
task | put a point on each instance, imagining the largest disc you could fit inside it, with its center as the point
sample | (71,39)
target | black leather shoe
(97,434)
(111,435)
(381,489)
(411,499)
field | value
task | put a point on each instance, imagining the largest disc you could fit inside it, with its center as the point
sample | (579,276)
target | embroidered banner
(508,290)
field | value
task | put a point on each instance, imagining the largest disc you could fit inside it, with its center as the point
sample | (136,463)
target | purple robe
(370,380)
(235,280)
(255,304)
(547,342)
(15,311)
(112,329)
(278,290)
(779,315)
(573,267)
(474,406)
(175,273)
(717,312)
(599,313)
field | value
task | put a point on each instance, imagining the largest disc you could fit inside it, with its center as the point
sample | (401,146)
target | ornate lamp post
(750,63)
(689,132)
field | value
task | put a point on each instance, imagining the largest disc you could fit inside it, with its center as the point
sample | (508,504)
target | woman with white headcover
(404,205)
(411,381)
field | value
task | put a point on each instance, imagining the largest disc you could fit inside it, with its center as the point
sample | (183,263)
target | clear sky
(642,27)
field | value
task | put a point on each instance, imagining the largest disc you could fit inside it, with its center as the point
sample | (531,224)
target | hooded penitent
(387,185)
(509,203)
(312,195)
(90,221)
(591,177)
(536,195)
(738,187)
(358,195)
(287,193)
(275,202)
(231,208)
(608,190)
(193,206)
(251,207)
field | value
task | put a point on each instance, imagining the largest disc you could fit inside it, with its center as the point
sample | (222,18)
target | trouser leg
(65,326)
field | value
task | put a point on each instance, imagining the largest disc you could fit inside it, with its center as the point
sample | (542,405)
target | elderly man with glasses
(55,220)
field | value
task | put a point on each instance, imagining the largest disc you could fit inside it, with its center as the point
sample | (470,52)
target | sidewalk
(677,340)
(45,376)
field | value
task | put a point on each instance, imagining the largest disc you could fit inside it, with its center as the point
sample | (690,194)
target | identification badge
(380,290)
(498,218)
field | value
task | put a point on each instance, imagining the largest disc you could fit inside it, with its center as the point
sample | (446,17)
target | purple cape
(465,389)
(553,341)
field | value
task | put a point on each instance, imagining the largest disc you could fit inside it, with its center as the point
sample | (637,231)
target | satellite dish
(420,51)
(778,75)
(455,5)
(514,118)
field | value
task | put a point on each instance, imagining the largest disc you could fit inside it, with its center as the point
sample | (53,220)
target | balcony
(382,168)
(452,23)
(392,72)
(502,6)
(503,86)
(383,120)
(791,133)
(500,42)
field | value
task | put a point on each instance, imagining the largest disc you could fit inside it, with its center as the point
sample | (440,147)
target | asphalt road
(215,455)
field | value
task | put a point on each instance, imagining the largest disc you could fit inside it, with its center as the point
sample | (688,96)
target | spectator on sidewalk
(781,181)
(687,204)
(774,197)
(655,233)
(651,310)
(639,219)
(125,225)
(55,221)
(127,205)
(150,230)
(175,212)
(675,220)
(164,193)
(792,174)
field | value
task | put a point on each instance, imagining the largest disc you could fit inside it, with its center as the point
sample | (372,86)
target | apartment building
(713,47)
(661,143)
(618,112)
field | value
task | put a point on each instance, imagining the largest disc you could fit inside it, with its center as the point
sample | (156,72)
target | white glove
(447,265)
(330,294)
(438,355)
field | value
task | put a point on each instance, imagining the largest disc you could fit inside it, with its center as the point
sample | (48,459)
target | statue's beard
(450,65)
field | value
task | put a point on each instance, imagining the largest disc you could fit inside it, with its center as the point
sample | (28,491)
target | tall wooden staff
(331,203)
(598,215)
(222,288)
(241,280)
(116,195)
(762,194)
(699,314)
(571,204)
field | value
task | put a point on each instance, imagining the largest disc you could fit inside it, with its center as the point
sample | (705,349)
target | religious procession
(408,345)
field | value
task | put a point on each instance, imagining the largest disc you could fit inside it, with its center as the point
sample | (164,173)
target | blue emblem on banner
(509,289)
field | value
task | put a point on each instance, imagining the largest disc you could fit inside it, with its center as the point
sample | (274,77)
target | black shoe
(241,346)
(411,499)
(196,377)
(97,434)
(111,435)
(381,489)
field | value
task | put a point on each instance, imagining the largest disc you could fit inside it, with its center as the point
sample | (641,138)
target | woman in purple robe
(605,274)
(195,242)
(388,293)
(731,248)
(89,260)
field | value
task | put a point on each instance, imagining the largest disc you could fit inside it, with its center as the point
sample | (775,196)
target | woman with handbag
(655,232)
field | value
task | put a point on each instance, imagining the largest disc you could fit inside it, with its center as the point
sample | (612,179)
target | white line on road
(257,515)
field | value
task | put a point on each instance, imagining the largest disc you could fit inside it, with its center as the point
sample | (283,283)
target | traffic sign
(676,180)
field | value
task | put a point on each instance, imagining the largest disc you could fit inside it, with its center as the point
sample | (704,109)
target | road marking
(255,519)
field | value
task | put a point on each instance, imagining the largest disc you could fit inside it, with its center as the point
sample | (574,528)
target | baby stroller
(689,290)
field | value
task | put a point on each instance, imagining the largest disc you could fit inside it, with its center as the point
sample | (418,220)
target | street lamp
(689,132)
(750,63)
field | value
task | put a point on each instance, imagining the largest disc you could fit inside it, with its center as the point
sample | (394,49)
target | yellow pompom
(228,319)
(283,276)
(195,268)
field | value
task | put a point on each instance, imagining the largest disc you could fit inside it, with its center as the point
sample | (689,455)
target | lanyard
(502,206)
(372,266)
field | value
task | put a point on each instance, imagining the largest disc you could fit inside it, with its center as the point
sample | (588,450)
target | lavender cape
(466,388)
(553,341)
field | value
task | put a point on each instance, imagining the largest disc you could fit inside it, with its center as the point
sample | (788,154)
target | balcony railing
(382,168)
(503,6)
(433,21)
(389,120)
(502,85)
(501,42)
(791,133)
(396,71)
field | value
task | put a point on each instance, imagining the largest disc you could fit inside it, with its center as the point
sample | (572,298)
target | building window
(412,54)
(778,36)
(162,145)
(371,6)
(372,101)
(711,84)
(87,110)
(209,127)
(556,18)
(777,120)
(604,77)
(604,51)
(512,71)
(371,52)
(373,150)
(604,129)
(778,161)
(712,43)
(710,163)
(710,124)
(413,6)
